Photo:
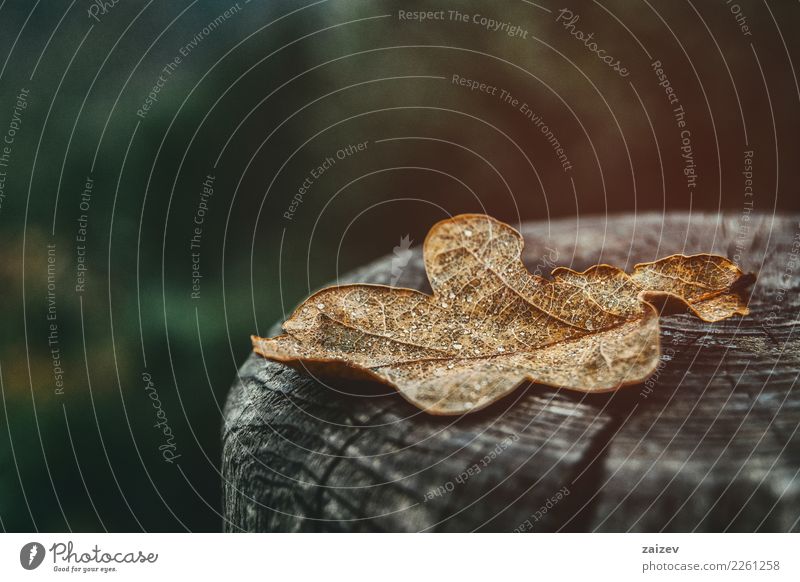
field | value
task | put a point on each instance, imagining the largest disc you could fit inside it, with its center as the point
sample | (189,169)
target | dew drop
(467,232)
(320,306)
(457,345)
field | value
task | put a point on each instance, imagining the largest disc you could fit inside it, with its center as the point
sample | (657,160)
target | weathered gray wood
(713,446)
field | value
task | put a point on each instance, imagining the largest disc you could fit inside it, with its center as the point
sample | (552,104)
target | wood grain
(709,443)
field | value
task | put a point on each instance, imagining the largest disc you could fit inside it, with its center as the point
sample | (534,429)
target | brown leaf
(490,325)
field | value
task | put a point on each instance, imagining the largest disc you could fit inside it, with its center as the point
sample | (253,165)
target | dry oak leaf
(491,325)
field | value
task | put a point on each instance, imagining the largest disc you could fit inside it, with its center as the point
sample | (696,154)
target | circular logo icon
(31,555)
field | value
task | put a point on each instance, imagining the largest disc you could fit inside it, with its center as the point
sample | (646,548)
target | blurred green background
(264,93)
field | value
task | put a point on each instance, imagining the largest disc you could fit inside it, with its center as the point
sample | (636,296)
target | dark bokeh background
(262,98)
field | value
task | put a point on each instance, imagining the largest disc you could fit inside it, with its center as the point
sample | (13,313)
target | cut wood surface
(709,443)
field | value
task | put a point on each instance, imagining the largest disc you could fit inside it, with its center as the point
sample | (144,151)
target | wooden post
(709,443)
